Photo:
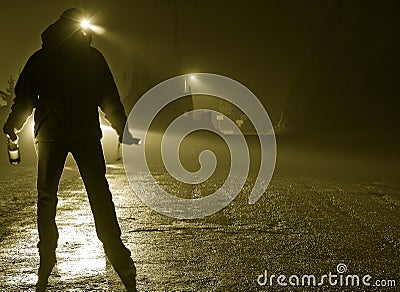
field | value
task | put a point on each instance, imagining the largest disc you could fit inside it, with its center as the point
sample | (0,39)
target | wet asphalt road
(301,226)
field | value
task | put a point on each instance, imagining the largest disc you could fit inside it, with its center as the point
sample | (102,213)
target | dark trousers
(90,160)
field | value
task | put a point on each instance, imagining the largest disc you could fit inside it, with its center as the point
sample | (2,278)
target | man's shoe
(41,285)
(128,277)
(45,268)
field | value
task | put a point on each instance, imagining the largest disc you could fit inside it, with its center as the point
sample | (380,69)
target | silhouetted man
(65,82)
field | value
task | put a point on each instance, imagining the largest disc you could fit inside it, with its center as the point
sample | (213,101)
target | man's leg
(51,159)
(90,160)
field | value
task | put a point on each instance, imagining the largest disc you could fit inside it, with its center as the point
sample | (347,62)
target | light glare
(97,29)
(85,23)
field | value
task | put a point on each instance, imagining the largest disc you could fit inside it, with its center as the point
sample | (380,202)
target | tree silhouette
(7,98)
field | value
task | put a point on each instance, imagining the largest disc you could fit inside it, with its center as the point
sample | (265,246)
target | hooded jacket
(66,82)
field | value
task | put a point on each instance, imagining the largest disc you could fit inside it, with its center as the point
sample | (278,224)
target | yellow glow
(110,143)
(85,23)
(97,29)
(79,251)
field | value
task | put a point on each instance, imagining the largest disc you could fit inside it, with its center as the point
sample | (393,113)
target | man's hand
(10,132)
(128,139)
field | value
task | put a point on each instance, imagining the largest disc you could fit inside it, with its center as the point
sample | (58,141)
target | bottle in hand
(14,155)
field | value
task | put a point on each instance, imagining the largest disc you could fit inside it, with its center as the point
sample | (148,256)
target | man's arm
(110,102)
(26,95)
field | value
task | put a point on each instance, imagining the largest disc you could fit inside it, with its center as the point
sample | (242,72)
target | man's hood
(66,32)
